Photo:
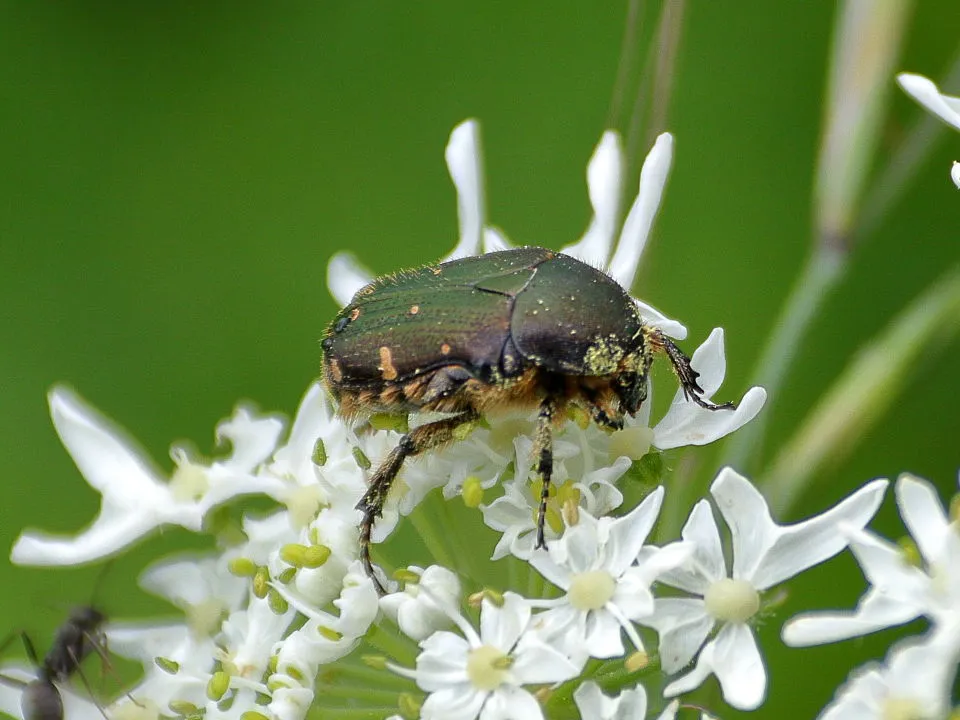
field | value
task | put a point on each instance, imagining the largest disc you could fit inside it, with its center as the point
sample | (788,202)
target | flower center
(732,600)
(632,442)
(189,482)
(591,590)
(901,709)
(487,667)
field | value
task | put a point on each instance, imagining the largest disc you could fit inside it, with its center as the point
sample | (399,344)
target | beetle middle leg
(685,372)
(414,442)
(543,451)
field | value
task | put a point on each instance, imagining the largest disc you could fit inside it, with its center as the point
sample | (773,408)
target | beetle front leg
(543,449)
(685,372)
(413,443)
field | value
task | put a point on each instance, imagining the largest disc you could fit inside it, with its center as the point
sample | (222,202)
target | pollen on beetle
(444,349)
(414,309)
(387,369)
(354,314)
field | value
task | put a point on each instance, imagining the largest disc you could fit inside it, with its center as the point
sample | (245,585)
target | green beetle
(519,329)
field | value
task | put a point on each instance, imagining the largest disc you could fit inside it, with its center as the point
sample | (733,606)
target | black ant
(80,635)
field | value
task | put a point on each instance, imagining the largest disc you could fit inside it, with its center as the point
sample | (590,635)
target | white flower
(628,705)
(900,591)
(483,674)
(945,107)
(914,682)
(925,92)
(606,572)
(419,608)
(764,555)
(136,499)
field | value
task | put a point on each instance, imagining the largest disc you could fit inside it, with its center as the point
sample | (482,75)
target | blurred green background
(175,176)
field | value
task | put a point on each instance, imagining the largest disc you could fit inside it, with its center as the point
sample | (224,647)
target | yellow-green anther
(316,556)
(287,576)
(319,453)
(475,600)
(242,567)
(462,432)
(362,460)
(377,662)
(386,421)
(502,663)
(955,509)
(579,415)
(277,602)
(636,661)
(494,596)
(261,582)
(329,633)
(293,554)
(218,685)
(409,706)
(408,577)
(291,671)
(571,512)
(183,708)
(171,667)
(253,715)
(472,492)
(568,491)
(909,552)
(276,683)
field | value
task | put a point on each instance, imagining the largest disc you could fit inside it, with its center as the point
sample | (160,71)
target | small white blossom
(900,591)
(483,674)
(136,499)
(630,704)
(606,572)
(945,107)
(914,682)
(419,608)
(764,555)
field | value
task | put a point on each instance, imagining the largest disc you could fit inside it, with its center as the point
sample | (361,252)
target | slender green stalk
(432,538)
(819,276)
(392,644)
(864,392)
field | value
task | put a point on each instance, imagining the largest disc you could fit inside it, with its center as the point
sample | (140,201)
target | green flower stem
(353,670)
(436,544)
(819,276)
(392,644)
(864,392)
(466,558)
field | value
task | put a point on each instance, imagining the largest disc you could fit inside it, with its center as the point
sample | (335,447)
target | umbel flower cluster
(280,619)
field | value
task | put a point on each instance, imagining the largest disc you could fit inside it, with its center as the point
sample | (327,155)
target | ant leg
(413,443)
(98,642)
(31,650)
(86,683)
(685,372)
(543,451)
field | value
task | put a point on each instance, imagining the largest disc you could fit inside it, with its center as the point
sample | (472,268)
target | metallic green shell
(492,314)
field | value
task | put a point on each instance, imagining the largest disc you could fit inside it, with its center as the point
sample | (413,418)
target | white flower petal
(501,626)
(922,513)
(345,275)
(955,173)
(766,553)
(683,625)
(652,316)
(604,180)
(875,612)
(511,703)
(628,533)
(707,564)
(135,499)
(465,162)
(925,92)
(453,703)
(636,228)
(494,240)
(537,662)
(734,658)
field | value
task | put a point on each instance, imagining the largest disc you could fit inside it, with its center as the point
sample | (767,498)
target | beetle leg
(685,373)
(543,449)
(371,504)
